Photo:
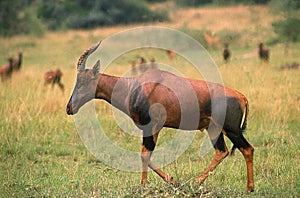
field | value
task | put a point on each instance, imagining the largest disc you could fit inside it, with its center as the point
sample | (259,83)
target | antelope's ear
(96,68)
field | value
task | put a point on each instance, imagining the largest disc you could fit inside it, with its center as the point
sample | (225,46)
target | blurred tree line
(13,17)
(287,29)
(218,2)
(37,16)
(89,14)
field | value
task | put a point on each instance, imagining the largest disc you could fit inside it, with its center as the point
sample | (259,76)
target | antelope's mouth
(71,110)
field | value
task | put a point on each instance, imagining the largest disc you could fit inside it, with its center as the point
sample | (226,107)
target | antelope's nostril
(69,110)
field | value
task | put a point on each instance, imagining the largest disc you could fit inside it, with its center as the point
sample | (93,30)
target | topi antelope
(6,70)
(171,54)
(263,52)
(152,105)
(212,41)
(54,77)
(17,63)
(226,52)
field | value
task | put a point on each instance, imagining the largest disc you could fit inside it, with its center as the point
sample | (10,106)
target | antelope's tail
(245,116)
(243,124)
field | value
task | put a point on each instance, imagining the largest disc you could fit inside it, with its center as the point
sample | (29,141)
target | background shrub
(89,14)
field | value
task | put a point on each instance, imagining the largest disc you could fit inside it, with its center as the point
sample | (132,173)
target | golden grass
(237,18)
(42,155)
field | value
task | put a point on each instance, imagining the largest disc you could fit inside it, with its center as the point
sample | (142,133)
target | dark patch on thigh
(238,141)
(233,112)
(139,104)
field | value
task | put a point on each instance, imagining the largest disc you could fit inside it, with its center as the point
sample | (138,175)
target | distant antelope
(171,54)
(212,41)
(263,52)
(153,64)
(226,53)
(54,77)
(6,70)
(133,68)
(142,65)
(293,65)
(137,97)
(17,63)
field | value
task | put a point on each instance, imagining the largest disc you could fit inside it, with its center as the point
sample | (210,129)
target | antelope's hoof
(249,189)
(202,178)
(170,179)
(143,182)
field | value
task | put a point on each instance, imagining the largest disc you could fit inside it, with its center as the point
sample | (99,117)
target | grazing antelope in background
(54,77)
(153,64)
(17,63)
(293,65)
(226,53)
(212,41)
(171,54)
(263,52)
(6,70)
(133,68)
(138,98)
(142,65)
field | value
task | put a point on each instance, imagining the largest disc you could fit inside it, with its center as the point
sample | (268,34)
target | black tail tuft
(244,127)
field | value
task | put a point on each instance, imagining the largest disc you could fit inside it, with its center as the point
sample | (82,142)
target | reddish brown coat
(54,77)
(6,70)
(158,99)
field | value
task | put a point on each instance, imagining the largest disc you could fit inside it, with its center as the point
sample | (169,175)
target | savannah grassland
(41,154)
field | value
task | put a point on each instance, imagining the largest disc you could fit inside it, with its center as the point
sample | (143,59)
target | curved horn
(85,55)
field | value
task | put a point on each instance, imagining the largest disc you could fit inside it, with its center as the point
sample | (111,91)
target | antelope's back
(169,97)
(186,103)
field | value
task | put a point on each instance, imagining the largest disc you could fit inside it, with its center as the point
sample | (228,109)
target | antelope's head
(86,83)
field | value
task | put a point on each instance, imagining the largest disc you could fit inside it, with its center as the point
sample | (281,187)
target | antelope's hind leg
(221,152)
(149,143)
(61,86)
(248,152)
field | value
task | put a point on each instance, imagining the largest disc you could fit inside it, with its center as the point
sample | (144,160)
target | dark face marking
(83,92)
(85,88)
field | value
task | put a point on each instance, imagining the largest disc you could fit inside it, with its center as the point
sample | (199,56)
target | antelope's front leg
(145,155)
(147,148)
(164,176)
(221,152)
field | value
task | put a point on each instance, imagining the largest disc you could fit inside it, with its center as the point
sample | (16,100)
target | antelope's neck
(114,90)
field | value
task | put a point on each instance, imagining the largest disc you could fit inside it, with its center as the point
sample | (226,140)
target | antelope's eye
(83,80)
(80,82)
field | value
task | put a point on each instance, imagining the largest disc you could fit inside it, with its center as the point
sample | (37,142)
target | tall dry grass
(41,153)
